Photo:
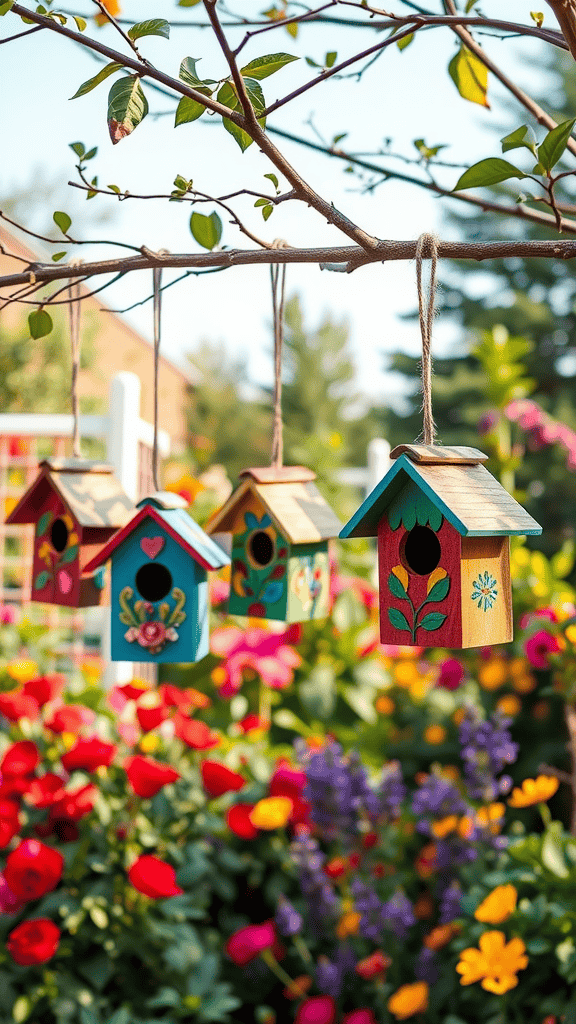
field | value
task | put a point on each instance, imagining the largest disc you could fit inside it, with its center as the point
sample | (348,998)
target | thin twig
(110,17)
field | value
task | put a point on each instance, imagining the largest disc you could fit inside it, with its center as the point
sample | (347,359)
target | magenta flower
(539,647)
(265,652)
(451,674)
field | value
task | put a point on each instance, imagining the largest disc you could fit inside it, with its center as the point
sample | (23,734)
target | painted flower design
(57,561)
(485,590)
(151,633)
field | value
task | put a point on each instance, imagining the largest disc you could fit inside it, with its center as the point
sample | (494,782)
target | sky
(404,96)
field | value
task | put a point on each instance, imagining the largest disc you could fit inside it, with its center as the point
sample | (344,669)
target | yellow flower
(493,674)
(459,715)
(450,771)
(22,670)
(570,633)
(445,826)
(72,539)
(405,673)
(435,577)
(518,667)
(435,734)
(492,817)
(400,573)
(149,742)
(509,705)
(385,706)
(495,964)
(348,923)
(68,739)
(272,812)
(524,684)
(44,550)
(219,675)
(409,1000)
(498,905)
(534,791)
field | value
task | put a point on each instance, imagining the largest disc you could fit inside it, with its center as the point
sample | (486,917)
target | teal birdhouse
(280,526)
(159,587)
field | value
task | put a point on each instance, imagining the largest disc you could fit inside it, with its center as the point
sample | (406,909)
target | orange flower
(534,791)
(498,905)
(493,674)
(385,706)
(445,826)
(491,817)
(272,812)
(348,924)
(435,734)
(425,863)
(424,906)
(113,7)
(495,964)
(441,936)
(509,705)
(409,1000)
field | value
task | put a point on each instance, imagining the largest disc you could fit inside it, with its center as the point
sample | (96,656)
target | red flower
(250,722)
(174,697)
(9,821)
(238,821)
(70,718)
(33,869)
(373,966)
(33,942)
(9,903)
(336,867)
(20,759)
(247,943)
(44,791)
(150,718)
(16,704)
(359,1017)
(132,692)
(88,755)
(45,688)
(287,781)
(317,1010)
(147,776)
(369,840)
(193,733)
(154,878)
(74,804)
(218,779)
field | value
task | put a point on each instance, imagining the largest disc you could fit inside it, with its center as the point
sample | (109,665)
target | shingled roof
(90,491)
(457,484)
(291,499)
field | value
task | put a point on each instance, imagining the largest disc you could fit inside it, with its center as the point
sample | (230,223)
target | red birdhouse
(76,506)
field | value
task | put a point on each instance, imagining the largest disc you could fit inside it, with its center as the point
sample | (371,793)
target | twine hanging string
(74,313)
(157,282)
(278,282)
(427,247)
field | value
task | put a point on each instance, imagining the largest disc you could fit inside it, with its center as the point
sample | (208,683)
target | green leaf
(69,555)
(188,3)
(39,323)
(127,107)
(5,7)
(78,147)
(90,84)
(96,970)
(432,621)
(553,146)
(154,27)
(188,110)
(58,256)
(267,211)
(398,620)
(403,43)
(62,220)
(207,230)
(395,587)
(552,851)
(273,179)
(536,16)
(470,76)
(488,172)
(80,22)
(439,590)
(262,67)
(241,137)
(330,59)
(523,137)
(43,523)
(41,580)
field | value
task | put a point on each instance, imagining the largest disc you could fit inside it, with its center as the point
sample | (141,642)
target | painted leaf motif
(41,580)
(240,567)
(278,572)
(432,621)
(273,591)
(70,554)
(440,590)
(251,521)
(127,107)
(395,587)
(44,523)
(398,620)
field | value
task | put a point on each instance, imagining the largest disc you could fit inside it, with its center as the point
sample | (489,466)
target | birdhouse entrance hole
(421,551)
(59,535)
(154,581)
(261,548)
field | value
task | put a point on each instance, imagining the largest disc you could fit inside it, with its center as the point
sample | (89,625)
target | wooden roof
(437,454)
(297,508)
(180,526)
(91,492)
(467,495)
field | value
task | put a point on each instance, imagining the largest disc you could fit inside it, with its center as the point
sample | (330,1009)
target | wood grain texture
(298,510)
(565,11)
(476,498)
(486,570)
(439,454)
(279,474)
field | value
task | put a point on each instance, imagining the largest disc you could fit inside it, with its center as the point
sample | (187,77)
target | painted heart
(152,546)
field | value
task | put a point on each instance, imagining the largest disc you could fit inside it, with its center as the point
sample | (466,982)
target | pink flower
(451,674)
(219,591)
(539,647)
(7,614)
(316,1010)
(359,1017)
(267,653)
(9,903)
(247,943)
(364,591)
(151,634)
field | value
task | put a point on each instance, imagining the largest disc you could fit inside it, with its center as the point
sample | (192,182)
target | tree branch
(565,11)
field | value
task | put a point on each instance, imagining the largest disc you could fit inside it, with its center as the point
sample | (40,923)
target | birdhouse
(159,588)
(443,524)
(76,506)
(280,526)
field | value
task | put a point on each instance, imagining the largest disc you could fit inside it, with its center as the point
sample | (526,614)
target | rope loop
(157,289)
(427,247)
(74,312)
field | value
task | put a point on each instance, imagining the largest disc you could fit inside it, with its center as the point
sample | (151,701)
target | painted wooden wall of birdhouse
(308,582)
(159,599)
(486,591)
(56,569)
(419,570)
(260,556)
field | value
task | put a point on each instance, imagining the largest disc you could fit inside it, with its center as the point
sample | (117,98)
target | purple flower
(486,747)
(323,904)
(364,799)
(451,903)
(426,967)
(328,977)
(330,791)
(398,914)
(392,791)
(288,920)
(436,797)
(370,907)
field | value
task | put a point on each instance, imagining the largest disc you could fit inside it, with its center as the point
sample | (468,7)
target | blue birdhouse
(159,588)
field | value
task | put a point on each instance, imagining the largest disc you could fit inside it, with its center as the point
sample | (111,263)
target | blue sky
(403,96)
